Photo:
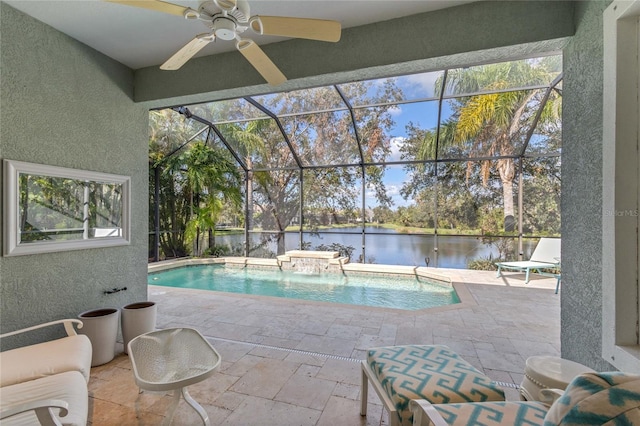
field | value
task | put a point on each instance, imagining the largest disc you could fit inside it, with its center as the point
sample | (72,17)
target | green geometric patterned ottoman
(432,372)
(493,413)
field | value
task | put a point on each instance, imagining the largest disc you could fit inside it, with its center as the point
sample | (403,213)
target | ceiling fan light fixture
(224,28)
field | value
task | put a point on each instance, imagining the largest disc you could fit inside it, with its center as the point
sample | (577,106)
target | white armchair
(44,411)
(46,383)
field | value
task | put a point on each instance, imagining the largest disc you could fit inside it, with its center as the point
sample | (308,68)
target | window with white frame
(621,187)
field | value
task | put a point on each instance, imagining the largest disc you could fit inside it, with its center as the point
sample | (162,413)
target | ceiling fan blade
(183,55)
(157,5)
(261,62)
(312,29)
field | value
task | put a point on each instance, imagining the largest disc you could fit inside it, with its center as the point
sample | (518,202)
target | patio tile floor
(291,362)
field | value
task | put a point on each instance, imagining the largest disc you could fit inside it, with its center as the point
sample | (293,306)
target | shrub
(216,251)
(345,251)
(484,264)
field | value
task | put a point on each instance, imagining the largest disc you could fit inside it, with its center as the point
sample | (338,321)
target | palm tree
(206,216)
(490,125)
(248,140)
(209,178)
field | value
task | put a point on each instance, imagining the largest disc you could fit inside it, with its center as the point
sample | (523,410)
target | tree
(248,140)
(206,217)
(209,178)
(493,124)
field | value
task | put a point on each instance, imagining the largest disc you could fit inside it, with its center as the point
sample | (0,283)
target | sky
(422,114)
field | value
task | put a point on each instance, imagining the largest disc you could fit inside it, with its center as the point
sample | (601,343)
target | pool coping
(466,299)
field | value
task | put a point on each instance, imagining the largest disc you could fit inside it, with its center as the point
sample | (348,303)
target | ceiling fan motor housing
(224,28)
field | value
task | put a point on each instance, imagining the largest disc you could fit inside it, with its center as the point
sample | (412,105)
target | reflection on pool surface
(409,293)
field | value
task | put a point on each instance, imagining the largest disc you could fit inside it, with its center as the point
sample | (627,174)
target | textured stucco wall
(65,104)
(581,306)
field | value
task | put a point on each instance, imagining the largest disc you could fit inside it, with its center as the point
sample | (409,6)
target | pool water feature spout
(310,261)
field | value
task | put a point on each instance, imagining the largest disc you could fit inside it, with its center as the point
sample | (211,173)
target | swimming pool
(408,293)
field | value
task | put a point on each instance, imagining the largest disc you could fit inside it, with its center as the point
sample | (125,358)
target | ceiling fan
(228,19)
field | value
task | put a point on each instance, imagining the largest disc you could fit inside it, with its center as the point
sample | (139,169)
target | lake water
(393,248)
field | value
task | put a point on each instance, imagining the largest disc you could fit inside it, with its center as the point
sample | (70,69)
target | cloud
(392,188)
(395,144)
(393,191)
(422,85)
(414,86)
(395,110)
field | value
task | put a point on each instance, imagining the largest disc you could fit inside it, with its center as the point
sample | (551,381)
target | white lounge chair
(546,255)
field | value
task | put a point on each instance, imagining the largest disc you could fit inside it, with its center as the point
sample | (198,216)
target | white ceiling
(139,38)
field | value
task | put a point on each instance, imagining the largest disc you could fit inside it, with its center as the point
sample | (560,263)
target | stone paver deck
(292,362)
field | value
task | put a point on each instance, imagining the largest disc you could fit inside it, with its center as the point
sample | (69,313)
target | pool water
(410,293)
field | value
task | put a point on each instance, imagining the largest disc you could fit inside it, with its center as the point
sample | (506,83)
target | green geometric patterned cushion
(430,372)
(528,413)
(611,398)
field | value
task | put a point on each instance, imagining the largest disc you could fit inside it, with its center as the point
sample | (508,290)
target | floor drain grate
(507,385)
(295,351)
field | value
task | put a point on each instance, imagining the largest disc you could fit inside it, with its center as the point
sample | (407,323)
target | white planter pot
(137,318)
(101,327)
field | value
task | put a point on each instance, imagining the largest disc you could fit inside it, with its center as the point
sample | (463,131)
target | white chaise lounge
(546,255)
(46,383)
